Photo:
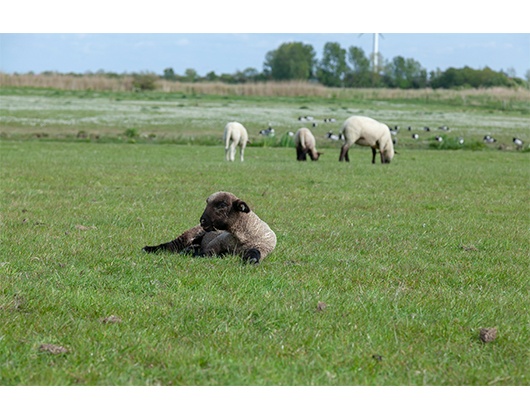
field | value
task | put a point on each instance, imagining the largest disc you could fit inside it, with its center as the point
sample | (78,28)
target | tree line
(351,67)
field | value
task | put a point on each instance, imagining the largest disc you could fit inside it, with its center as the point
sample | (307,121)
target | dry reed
(124,83)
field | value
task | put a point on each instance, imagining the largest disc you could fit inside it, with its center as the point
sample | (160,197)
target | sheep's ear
(241,206)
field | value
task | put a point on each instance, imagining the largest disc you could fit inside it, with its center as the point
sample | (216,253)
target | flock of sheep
(229,226)
(360,130)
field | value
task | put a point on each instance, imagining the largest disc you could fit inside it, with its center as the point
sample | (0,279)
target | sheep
(227,226)
(518,143)
(415,136)
(366,131)
(439,139)
(305,143)
(235,134)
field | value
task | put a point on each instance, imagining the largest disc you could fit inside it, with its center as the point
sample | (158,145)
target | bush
(144,81)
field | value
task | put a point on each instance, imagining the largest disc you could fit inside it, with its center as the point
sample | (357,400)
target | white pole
(376,51)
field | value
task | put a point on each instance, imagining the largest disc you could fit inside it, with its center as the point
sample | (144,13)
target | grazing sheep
(415,136)
(305,143)
(227,226)
(460,140)
(366,131)
(518,143)
(439,139)
(235,135)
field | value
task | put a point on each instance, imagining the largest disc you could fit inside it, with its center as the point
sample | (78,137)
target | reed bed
(124,83)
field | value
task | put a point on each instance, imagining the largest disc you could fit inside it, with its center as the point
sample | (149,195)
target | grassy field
(411,261)
(383,275)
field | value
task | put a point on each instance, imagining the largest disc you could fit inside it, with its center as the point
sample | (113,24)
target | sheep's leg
(232,152)
(344,153)
(242,154)
(186,240)
(374,152)
(217,243)
(300,154)
(252,256)
(227,154)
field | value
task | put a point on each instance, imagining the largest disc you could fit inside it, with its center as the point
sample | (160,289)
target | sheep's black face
(221,211)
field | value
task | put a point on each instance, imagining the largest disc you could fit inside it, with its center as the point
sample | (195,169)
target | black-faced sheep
(235,134)
(227,226)
(366,131)
(305,143)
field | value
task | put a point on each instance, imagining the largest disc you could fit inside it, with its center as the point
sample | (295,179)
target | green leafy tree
(144,81)
(291,61)
(469,77)
(359,75)
(332,68)
(211,76)
(190,75)
(405,73)
(169,74)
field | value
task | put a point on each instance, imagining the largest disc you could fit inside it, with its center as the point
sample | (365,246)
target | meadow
(383,275)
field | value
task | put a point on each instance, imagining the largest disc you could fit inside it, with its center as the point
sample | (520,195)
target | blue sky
(227,53)
(119,37)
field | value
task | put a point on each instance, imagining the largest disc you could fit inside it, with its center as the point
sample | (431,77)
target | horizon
(206,52)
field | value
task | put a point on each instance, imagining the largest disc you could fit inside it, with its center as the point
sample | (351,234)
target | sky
(233,35)
(231,52)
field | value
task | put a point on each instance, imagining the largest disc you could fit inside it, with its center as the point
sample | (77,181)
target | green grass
(411,260)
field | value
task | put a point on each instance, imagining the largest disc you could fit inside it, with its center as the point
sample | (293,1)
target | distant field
(383,275)
(180,118)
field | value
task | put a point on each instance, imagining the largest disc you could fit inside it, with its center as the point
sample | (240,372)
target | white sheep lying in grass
(305,143)
(227,226)
(235,135)
(366,131)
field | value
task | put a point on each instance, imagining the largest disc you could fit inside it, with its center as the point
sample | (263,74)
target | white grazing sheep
(415,136)
(227,226)
(439,139)
(366,131)
(305,143)
(235,135)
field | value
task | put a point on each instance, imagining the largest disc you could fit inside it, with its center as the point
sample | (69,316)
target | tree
(359,75)
(405,73)
(169,74)
(211,76)
(144,81)
(190,75)
(291,61)
(332,68)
